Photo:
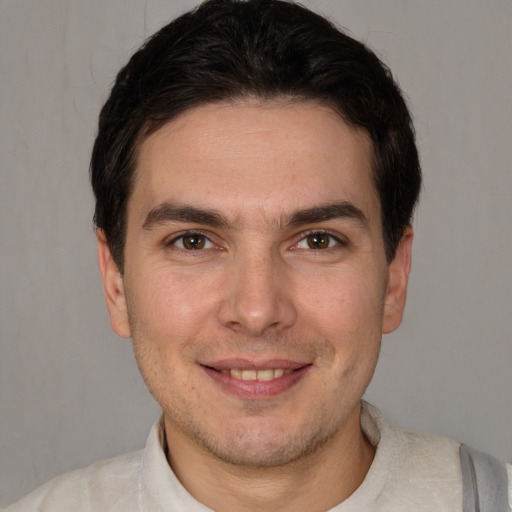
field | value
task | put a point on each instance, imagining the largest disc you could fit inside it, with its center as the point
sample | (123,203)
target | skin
(270,284)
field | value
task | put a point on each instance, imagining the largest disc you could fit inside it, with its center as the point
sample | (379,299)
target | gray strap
(484,482)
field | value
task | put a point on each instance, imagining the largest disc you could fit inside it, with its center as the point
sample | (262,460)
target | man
(255,174)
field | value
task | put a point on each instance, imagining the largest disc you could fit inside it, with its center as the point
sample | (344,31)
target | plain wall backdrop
(70,392)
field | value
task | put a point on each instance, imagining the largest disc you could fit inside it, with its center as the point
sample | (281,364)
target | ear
(113,287)
(398,277)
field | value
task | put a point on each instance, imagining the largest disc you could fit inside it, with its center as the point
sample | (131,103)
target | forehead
(255,157)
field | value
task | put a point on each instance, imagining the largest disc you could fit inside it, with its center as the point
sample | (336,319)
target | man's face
(256,287)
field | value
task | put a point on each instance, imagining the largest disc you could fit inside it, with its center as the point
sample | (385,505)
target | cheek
(173,307)
(167,315)
(343,304)
(348,314)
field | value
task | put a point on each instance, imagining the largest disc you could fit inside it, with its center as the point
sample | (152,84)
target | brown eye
(194,242)
(318,241)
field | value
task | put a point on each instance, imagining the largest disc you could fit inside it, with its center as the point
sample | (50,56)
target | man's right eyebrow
(170,212)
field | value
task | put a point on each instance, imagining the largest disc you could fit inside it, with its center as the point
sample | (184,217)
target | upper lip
(246,364)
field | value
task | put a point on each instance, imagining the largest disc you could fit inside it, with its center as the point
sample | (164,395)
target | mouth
(261,375)
(249,380)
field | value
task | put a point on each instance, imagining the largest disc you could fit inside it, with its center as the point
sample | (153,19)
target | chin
(263,445)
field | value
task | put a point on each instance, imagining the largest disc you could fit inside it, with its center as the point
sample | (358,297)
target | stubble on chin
(260,434)
(254,443)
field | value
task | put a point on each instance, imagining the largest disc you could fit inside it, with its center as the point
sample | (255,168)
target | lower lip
(256,389)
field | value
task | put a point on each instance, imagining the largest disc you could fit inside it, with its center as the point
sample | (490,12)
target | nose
(258,297)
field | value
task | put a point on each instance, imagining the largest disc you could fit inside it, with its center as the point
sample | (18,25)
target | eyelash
(303,239)
(338,242)
(186,234)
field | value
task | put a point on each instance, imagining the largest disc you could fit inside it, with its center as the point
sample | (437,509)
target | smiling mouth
(261,375)
(252,381)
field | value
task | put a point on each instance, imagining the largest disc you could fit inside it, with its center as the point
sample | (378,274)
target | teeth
(265,375)
(237,374)
(256,374)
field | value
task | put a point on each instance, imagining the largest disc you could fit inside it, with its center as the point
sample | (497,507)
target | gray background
(70,392)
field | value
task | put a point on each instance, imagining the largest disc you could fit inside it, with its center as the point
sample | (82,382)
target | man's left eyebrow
(323,213)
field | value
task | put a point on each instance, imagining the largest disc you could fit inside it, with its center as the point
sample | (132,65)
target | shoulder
(411,470)
(427,467)
(100,486)
(407,447)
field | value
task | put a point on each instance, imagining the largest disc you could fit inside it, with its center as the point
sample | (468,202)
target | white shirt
(410,471)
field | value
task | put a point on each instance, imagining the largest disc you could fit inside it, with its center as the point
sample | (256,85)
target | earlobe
(113,287)
(398,278)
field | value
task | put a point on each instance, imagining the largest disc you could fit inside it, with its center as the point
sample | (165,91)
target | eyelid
(337,237)
(172,239)
(340,240)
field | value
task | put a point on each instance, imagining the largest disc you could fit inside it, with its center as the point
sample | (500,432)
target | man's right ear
(113,287)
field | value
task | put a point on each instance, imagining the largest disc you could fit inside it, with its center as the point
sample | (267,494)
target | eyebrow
(323,213)
(170,212)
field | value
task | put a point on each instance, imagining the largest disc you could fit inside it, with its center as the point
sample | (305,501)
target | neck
(315,483)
